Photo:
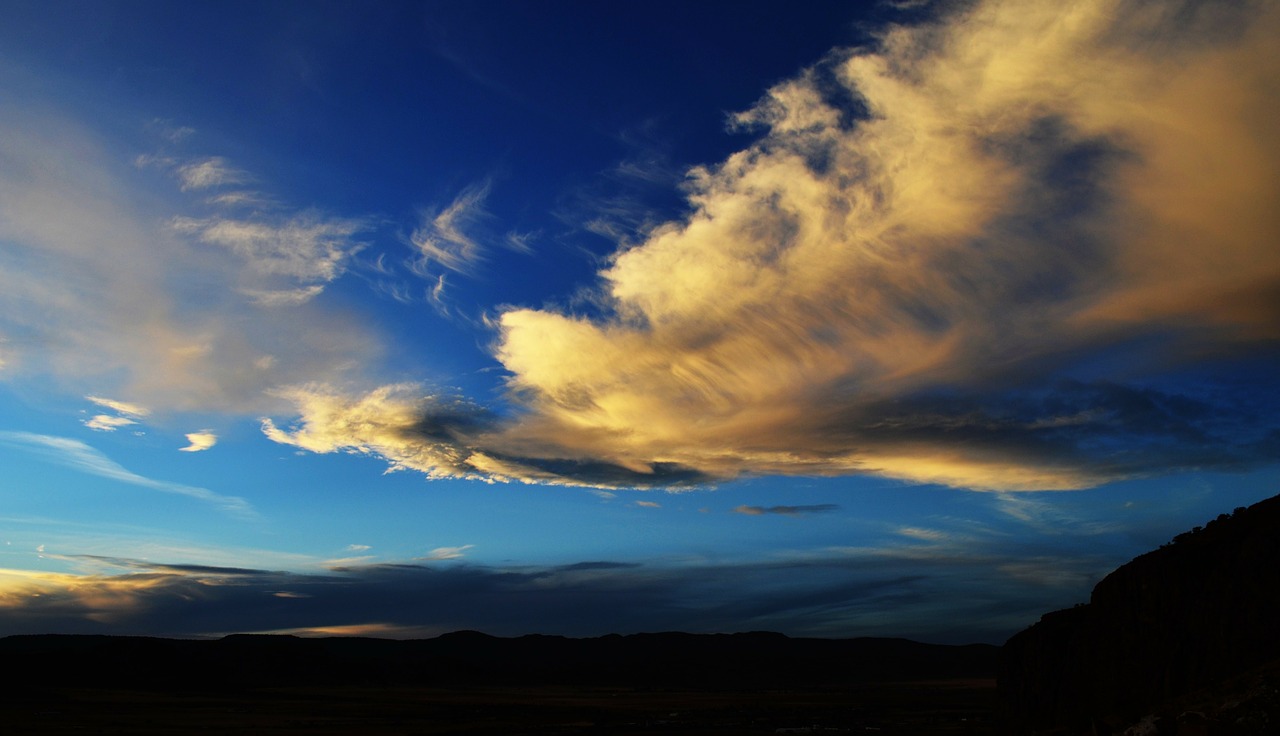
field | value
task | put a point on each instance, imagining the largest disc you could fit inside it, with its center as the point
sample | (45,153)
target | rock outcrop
(1190,620)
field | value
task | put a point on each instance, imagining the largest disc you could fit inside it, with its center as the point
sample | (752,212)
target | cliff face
(1172,622)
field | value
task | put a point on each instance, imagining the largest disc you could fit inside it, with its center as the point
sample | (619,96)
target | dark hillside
(1175,625)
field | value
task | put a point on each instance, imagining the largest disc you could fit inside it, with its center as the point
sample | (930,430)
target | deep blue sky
(571,317)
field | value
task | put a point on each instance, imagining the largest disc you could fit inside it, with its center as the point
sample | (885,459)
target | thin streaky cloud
(121,407)
(79,456)
(447,553)
(821,508)
(107,422)
(444,236)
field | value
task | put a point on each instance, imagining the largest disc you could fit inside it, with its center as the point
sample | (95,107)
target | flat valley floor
(966,706)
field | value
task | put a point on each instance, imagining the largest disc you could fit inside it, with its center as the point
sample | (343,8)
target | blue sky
(574,318)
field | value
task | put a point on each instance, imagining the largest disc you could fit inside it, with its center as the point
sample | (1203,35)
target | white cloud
(200,441)
(122,407)
(107,423)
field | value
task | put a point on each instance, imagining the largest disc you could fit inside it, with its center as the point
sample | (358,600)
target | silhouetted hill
(1194,624)
(719,661)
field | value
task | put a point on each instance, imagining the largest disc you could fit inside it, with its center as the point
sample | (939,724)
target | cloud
(307,249)
(127,414)
(447,553)
(820,594)
(649,504)
(998,251)
(820,508)
(122,407)
(107,423)
(926,264)
(442,238)
(79,456)
(98,289)
(200,441)
(208,173)
(447,437)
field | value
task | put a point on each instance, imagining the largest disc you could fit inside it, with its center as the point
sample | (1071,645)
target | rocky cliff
(1190,620)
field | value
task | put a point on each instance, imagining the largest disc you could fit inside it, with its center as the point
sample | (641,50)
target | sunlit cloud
(121,407)
(922,268)
(127,414)
(79,456)
(199,441)
(107,422)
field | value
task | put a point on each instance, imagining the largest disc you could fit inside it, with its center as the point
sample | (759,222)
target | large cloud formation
(985,253)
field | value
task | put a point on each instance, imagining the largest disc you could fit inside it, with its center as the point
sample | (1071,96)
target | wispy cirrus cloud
(288,261)
(444,237)
(86,459)
(207,173)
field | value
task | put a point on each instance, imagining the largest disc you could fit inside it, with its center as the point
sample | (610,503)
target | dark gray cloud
(927,590)
(820,508)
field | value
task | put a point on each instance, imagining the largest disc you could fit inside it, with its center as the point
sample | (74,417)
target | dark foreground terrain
(1181,641)
(469,683)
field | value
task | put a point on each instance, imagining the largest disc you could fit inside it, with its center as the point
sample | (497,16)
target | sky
(833,318)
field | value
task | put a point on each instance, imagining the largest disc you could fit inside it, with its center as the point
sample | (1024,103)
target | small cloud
(820,508)
(649,504)
(447,553)
(927,535)
(200,441)
(240,199)
(211,172)
(126,414)
(342,563)
(107,423)
(443,236)
(521,242)
(289,594)
(120,407)
(358,548)
(283,297)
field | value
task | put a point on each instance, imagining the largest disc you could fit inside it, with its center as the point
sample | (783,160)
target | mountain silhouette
(1189,631)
